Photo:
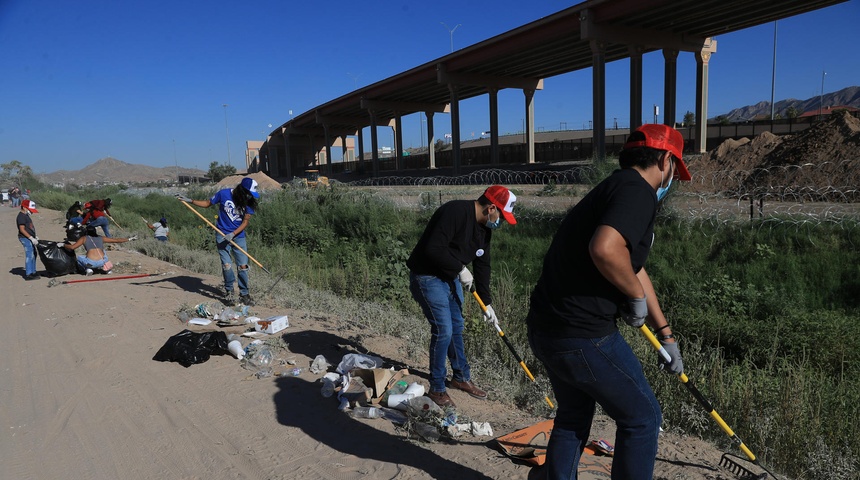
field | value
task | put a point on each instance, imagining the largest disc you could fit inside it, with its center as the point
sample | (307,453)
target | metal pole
(821,96)
(773,75)
(451,31)
(175,161)
(227,130)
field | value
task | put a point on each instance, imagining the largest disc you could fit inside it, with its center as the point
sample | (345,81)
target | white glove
(466,279)
(182,198)
(229,237)
(132,238)
(34,240)
(490,317)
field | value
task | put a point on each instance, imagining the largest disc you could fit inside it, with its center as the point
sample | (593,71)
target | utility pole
(227,129)
(451,31)
(175,161)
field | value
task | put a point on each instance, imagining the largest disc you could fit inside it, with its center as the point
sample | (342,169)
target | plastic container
(366,412)
(320,364)
(327,389)
(395,389)
(400,401)
(415,389)
(424,404)
(235,348)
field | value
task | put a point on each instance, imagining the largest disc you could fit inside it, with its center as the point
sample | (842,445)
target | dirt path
(83,399)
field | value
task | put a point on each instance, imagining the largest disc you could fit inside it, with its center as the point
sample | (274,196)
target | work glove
(229,237)
(183,198)
(490,317)
(466,279)
(132,238)
(676,366)
(634,311)
(34,240)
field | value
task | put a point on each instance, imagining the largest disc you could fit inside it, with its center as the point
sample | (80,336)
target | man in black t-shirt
(459,233)
(592,273)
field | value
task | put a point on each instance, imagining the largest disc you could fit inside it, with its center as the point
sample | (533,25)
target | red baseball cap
(504,200)
(29,205)
(663,137)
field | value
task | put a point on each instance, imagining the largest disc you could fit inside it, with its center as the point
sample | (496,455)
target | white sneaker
(89,271)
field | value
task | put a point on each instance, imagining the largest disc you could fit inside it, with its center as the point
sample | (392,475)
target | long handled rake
(703,401)
(222,234)
(511,347)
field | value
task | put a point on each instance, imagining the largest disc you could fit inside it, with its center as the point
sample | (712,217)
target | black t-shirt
(24,219)
(454,238)
(572,298)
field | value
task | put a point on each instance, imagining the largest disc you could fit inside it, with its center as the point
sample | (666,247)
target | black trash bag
(188,348)
(57,260)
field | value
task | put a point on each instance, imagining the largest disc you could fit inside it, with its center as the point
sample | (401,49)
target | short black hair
(642,157)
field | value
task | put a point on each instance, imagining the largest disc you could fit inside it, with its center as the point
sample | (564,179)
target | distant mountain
(110,170)
(847,97)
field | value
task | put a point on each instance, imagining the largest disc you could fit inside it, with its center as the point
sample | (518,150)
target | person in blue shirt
(235,207)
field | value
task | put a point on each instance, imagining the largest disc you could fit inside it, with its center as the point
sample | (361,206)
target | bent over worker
(459,233)
(592,273)
(235,207)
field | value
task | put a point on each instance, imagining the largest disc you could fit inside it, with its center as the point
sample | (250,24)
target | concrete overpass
(587,35)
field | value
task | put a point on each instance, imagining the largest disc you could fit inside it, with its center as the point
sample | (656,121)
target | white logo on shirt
(231,211)
(480,252)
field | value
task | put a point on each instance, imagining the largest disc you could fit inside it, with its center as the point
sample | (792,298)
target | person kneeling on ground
(459,233)
(95,254)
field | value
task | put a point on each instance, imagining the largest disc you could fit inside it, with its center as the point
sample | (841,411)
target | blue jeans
(228,254)
(442,304)
(29,256)
(604,370)
(101,222)
(85,263)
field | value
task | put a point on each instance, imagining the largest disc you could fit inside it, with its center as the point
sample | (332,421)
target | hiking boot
(441,398)
(32,276)
(89,272)
(230,298)
(469,388)
(246,300)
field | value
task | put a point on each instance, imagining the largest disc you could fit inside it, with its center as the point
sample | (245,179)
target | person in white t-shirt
(160,229)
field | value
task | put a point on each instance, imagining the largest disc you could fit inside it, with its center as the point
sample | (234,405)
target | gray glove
(229,237)
(676,366)
(466,279)
(490,317)
(183,198)
(634,311)
(132,238)
(34,240)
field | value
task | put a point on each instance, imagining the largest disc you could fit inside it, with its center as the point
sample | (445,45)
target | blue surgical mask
(662,191)
(494,225)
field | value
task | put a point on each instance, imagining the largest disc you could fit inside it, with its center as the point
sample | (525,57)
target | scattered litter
(254,334)
(602,446)
(320,364)
(258,358)
(272,325)
(351,361)
(199,321)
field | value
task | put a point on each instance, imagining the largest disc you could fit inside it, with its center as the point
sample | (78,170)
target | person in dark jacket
(593,272)
(459,233)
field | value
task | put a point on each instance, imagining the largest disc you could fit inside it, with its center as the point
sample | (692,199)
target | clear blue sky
(85,80)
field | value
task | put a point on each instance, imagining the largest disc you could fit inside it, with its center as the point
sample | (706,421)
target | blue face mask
(494,225)
(661,192)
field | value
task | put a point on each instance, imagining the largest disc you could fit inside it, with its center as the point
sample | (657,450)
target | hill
(110,170)
(847,97)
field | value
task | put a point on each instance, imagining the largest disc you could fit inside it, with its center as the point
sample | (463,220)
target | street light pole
(821,96)
(227,130)
(175,161)
(451,31)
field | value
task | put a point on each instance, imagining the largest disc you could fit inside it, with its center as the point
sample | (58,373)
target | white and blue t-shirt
(229,216)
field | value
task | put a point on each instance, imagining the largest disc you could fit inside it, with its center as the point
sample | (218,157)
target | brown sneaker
(441,398)
(469,388)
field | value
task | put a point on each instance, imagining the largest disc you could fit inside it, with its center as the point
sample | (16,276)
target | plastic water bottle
(327,389)
(365,412)
(395,389)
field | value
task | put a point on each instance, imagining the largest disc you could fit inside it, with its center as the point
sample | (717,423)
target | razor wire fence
(800,195)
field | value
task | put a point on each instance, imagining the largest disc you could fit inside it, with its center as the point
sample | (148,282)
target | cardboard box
(378,379)
(272,324)
(357,393)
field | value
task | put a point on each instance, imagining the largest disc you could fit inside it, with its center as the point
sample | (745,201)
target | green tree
(16,172)
(218,172)
(689,119)
(792,112)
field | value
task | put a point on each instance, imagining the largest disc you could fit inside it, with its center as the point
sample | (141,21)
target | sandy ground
(83,399)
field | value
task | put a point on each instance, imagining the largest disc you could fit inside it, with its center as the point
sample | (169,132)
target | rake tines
(736,468)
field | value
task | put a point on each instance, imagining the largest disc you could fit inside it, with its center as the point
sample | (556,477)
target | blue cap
(250,185)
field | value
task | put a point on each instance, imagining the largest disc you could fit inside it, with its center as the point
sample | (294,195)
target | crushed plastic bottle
(395,389)
(320,364)
(427,432)
(366,412)
(327,389)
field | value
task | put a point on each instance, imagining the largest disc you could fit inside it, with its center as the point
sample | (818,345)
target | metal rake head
(743,473)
